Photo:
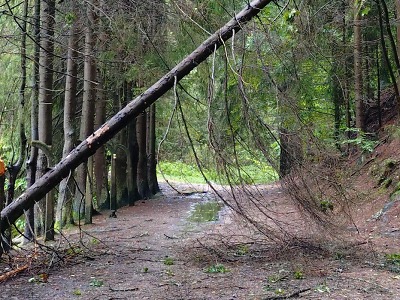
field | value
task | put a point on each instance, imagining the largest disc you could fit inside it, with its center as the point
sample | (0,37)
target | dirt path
(152,251)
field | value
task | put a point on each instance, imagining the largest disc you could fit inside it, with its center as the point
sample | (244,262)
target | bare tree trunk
(87,119)
(89,146)
(358,77)
(100,165)
(2,182)
(151,151)
(32,162)
(3,240)
(46,104)
(121,156)
(398,28)
(100,171)
(64,202)
(132,155)
(142,184)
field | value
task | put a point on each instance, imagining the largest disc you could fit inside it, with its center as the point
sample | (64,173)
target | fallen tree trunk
(108,130)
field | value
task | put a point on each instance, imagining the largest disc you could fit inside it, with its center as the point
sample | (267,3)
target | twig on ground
(171,237)
(292,295)
(124,290)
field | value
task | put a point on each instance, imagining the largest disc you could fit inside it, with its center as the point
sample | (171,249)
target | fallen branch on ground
(12,273)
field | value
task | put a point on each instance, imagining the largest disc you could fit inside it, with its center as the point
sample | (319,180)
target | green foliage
(253,172)
(168,261)
(298,274)
(217,268)
(180,171)
(18,228)
(96,282)
(70,18)
(362,140)
(393,262)
(326,205)
(279,291)
(77,292)
(242,250)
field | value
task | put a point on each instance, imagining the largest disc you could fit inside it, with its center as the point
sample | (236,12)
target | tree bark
(151,151)
(32,162)
(100,165)
(64,204)
(132,155)
(46,104)
(121,154)
(358,78)
(82,209)
(89,146)
(100,172)
(142,183)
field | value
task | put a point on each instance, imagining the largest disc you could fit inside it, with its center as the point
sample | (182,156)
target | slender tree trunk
(378,84)
(45,105)
(142,183)
(3,237)
(121,155)
(151,151)
(32,162)
(87,118)
(100,171)
(133,154)
(100,164)
(358,77)
(64,202)
(398,27)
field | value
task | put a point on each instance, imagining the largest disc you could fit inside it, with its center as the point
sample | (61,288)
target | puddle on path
(203,212)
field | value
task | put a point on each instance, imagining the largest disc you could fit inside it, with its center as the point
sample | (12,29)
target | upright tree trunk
(142,183)
(151,150)
(121,155)
(100,165)
(3,237)
(45,105)
(82,205)
(64,202)
(99,169)
(32,162)
(398,32)
(358,72)
(133,154)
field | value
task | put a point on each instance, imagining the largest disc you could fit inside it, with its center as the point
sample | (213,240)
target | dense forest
(275,90)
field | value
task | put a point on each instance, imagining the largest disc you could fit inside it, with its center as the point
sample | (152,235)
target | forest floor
(158,250)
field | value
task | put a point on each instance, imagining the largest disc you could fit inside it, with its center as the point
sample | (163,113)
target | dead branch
(12,273)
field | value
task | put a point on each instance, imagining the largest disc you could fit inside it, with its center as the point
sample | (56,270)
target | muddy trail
(186,246)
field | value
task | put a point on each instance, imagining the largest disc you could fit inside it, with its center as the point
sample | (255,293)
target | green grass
(179,171)
(217,268)
(249,174)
